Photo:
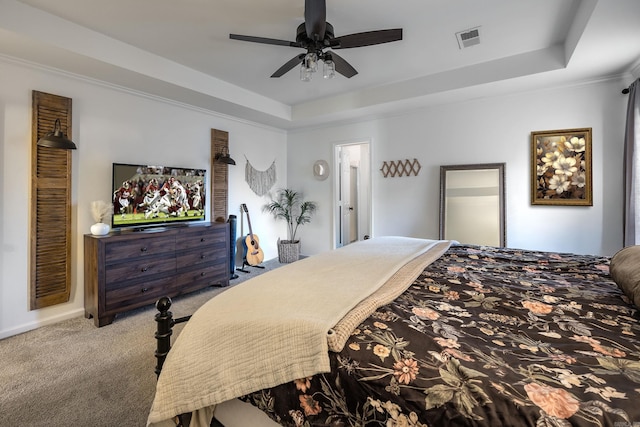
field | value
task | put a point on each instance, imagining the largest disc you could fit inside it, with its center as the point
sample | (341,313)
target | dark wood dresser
(129,269)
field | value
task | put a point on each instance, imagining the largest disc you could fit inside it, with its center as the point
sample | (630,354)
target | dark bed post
(163,332)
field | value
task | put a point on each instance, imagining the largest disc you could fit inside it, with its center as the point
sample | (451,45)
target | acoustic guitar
(252,251)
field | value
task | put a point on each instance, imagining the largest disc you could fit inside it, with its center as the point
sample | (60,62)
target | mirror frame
(500,167)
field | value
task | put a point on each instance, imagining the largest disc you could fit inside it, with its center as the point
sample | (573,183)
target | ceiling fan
(317,37)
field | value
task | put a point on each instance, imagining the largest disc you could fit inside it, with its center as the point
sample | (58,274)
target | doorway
(352,193)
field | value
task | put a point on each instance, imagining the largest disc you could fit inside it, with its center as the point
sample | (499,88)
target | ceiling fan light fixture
(329,68)
(315,35)
(311,61)
(305,73)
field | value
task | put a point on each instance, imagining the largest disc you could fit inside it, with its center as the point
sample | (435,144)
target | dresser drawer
(202,236)
(217,274)
(137,294)
(208,255)
(135,248)
(138,268)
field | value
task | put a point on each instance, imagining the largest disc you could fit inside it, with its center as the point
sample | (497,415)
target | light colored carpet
(74,374)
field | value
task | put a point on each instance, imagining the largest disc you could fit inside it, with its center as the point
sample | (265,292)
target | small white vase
(100,229)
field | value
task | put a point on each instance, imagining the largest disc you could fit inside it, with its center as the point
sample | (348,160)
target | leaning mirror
(472,208)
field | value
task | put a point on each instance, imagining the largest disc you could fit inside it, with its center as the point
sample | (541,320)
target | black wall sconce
(224,157)
(56,139)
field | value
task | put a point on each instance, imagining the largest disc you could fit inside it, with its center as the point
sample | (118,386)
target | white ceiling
(180,49)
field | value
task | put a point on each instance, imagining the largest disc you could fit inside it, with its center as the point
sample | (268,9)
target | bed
(479,336)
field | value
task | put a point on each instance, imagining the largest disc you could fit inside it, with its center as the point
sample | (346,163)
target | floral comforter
(484,337)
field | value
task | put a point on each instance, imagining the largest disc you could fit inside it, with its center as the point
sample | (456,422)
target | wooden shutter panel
(220,176)
(50,265)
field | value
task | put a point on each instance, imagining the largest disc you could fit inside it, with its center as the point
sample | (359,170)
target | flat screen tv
(146,195)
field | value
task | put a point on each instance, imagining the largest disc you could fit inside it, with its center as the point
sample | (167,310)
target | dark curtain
(632,168)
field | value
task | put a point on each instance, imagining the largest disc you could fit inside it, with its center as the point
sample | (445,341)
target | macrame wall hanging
(260,181)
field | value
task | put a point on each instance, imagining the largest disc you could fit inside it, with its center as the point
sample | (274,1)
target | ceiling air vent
(468,38)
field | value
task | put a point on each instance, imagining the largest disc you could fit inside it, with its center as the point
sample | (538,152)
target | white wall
(112,125)
(486,130)
(109,125)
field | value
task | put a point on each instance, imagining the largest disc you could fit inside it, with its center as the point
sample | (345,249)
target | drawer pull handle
(202,239)
(144,269)
(144,290)
(203,274)
(143,249)
(203,256)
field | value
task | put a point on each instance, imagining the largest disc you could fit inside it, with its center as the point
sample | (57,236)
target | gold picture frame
(561,172)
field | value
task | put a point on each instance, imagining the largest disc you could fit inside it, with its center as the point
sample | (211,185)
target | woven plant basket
(288,251)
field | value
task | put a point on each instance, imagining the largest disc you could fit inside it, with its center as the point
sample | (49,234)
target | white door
(344,199)
(352,214)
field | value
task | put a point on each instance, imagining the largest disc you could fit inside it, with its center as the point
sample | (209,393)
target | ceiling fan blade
(367,38)
(342,66)
(263,40)
(289,65)
(315,18)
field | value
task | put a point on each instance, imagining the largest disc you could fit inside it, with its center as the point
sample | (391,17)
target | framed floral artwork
(561,167)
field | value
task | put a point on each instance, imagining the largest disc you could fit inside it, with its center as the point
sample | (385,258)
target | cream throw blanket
(277,327)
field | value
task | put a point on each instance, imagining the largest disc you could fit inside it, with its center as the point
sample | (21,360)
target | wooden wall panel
(220,176)
(50,266)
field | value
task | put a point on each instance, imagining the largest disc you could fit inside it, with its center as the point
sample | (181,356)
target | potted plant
(289,205)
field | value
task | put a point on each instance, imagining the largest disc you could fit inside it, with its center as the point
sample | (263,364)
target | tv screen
(146,195)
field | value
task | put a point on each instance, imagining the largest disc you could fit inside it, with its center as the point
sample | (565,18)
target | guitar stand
(244,262)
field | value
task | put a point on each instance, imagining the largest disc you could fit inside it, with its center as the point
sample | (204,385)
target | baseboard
(40,323)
